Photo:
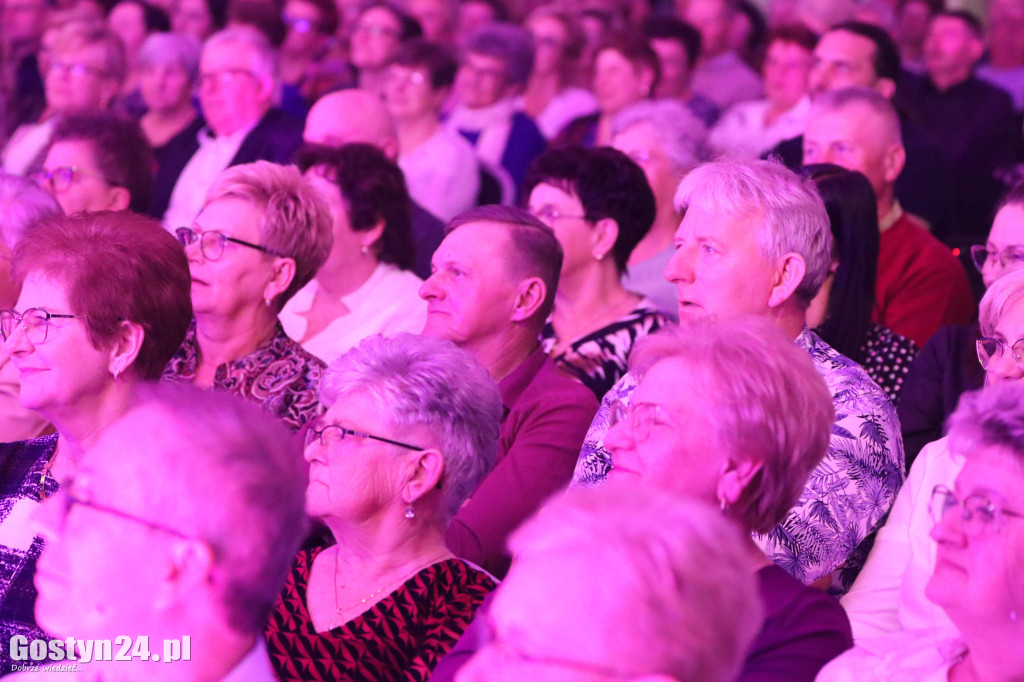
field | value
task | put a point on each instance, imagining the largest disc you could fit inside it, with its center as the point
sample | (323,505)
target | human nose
(679,267)
(619,438)
(949,529)
(430,289)
(17,342)
(1002,367)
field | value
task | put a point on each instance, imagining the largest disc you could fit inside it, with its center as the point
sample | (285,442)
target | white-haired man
(755,240)
(237,85)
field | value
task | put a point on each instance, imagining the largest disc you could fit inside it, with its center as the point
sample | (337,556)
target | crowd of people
(488,340)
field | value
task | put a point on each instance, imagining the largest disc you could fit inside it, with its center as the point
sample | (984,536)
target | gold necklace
(46,474)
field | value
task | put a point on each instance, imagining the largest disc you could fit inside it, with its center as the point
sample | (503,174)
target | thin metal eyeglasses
(1011,255)
(334,433)
(989,348)
(61,178)
(549,214)
(978,512)
(211,242)
(68,499)
(642,417)
(35,322)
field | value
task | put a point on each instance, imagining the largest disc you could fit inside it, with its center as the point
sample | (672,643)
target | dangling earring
(116,374)
(410,512)
(723,506)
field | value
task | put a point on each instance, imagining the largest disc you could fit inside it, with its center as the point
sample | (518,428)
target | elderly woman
(665,139)
(261,235)
(366,285)
(80,353)
(550,98)
(841,311)
(379,30)
(410,431)
(889,595)
(600,206)
(752,423)
(978,574)
(625,72)
(582,555)
(439,165)
(752,128)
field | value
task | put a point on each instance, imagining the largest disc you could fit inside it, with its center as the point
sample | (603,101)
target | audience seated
(1004,66)
(81,354)
(408,435)
(496,65)
(891,594)
(378,32)
(493,286)
(625,72)
(660,593)
(134,21)
(973,120)
(203,535)
(977,547)
(236,88)
(947,365)
(348,116)
(311,25)
(752,128)
(857,54)
(667,142)
(677,45)
(550,98)
(98,162)
(841,313)
(599,205)
(720,74)
(440,166)
(755,239)
(920,284)
(83,73)
(261,236)
(21,85)
(365,286)
(757,398)
(199,18)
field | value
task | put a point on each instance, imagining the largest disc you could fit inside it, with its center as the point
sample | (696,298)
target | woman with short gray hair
(410,431)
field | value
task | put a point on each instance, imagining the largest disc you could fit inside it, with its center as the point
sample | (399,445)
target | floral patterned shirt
(846,497)
(280,375)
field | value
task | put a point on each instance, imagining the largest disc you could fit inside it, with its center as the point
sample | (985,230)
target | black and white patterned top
(887,358)
(599,359)
(21,478)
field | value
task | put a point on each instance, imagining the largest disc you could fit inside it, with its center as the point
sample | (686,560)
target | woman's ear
(282,277)
(368,238)
(735,478)
(423,474)
(606,233)
(126,347)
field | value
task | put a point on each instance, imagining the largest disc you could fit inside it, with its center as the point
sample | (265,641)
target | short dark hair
(635,48)
(662,27)
(409,26)
(374,188)
(796,33)
(970,20)
(886,60)
(608,184)
(438,60)
(115,266)
(539,253)
(122,153)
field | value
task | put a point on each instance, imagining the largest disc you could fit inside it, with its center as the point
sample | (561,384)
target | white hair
(683,137)
(264,62)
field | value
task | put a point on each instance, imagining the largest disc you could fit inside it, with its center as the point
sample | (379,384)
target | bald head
(346,116)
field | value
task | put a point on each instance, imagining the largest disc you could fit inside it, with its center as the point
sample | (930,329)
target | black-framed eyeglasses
(989,349)
(35,322)
(329,434)
(978,512)
(211,242)
(1011,255)
(67,498)
(494,643)
(59,179)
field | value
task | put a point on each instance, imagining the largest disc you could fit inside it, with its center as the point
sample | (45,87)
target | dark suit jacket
(275,138)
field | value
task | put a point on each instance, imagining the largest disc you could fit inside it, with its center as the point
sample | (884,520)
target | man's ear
(126,347)
(895,159)
(118,199)
(530,295)
(190,564)
(788,275)
(886,87)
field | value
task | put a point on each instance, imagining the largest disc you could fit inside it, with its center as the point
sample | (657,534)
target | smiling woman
(80,353)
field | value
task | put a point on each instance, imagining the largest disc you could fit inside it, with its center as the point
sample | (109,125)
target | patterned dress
(281,376)
(847,496)
(402,637)
(21,478)
(887,357)
(599,359)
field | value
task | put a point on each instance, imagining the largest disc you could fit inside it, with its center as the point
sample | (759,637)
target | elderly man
(236,91)
(856,53)
(493,286)
(755,239)
(920,285)
(974,120)
(359,116)
(204,536)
